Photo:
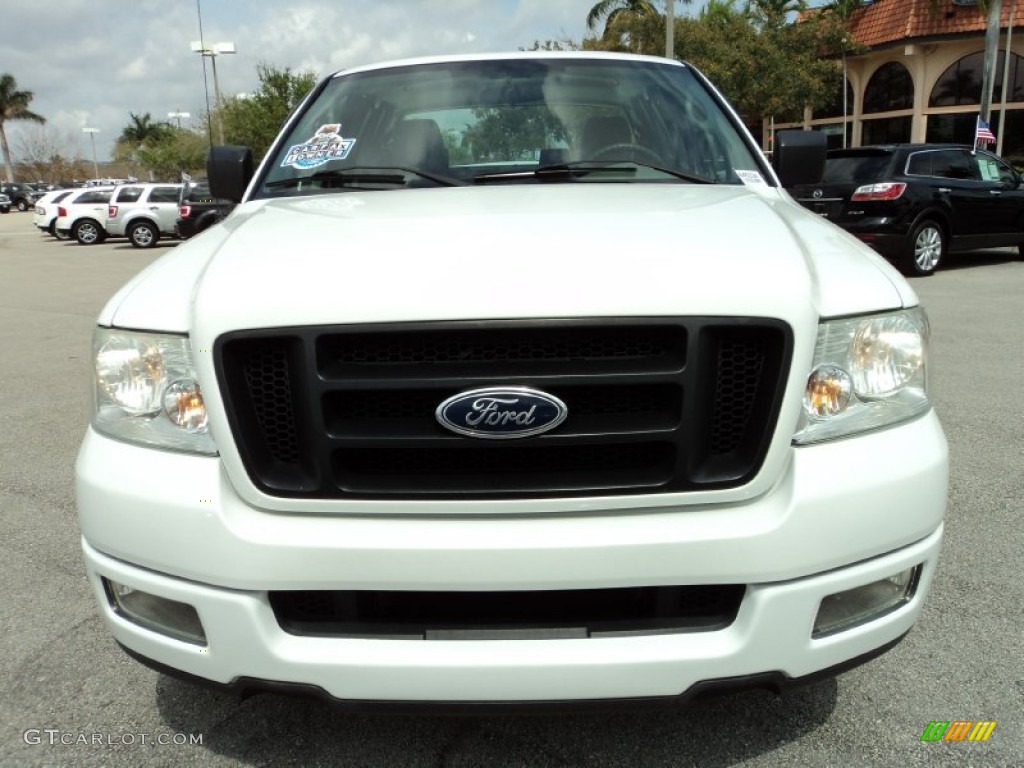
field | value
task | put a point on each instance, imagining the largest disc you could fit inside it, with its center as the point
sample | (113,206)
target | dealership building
(916,76)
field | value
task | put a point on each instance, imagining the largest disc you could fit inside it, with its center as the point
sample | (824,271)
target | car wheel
(22,206)
(88,232)
(52,229)
(5,210)
(143,234)
(925,250)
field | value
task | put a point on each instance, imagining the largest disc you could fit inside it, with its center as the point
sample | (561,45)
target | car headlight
(868,372)
(146,391)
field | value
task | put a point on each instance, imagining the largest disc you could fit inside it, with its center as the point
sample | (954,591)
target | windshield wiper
(556,172)
(581,168)
(387,175)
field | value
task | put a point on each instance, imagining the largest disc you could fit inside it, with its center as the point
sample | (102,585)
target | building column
(918,71)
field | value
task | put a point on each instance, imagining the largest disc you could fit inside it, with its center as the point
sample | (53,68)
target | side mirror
(799,157)
(229,171)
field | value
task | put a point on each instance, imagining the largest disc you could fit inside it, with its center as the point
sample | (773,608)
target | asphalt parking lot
(63,681)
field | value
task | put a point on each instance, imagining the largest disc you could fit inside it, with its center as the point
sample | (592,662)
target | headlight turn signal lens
(828,391)
(183,404)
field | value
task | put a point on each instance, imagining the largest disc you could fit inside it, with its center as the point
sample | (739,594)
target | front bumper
(770,638)
(845,514)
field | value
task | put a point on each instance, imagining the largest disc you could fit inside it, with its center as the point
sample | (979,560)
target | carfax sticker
(326,145)
(750,178)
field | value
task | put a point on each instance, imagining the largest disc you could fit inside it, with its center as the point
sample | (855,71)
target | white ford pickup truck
(513,379)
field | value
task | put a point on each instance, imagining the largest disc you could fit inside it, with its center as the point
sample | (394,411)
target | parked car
(45,217)
(22,195)
(83,215)
(5,203)
(143,213)
(512,378)
(914,203)
(198,209)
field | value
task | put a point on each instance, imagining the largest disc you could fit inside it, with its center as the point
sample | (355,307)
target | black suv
(913,203)
(198,209)
(22,195)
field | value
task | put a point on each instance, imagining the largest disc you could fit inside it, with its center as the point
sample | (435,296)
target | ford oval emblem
(500,413)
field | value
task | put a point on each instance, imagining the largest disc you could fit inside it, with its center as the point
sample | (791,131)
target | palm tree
(610,10)
(720,10)
(140,128)
(13,106)
(773,12)
(615,10)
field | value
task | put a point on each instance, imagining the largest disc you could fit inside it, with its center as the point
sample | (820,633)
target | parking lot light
(92,137)
(212,52)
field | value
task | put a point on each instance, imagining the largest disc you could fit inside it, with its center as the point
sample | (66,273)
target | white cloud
(98,62)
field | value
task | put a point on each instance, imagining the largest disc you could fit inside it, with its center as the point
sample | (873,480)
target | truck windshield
(516,120)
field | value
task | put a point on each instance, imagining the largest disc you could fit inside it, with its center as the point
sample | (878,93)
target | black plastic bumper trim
(776,682)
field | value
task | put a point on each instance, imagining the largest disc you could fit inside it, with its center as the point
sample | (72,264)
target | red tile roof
(891,21)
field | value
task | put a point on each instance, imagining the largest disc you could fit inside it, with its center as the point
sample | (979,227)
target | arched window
(961,83)
(890,88)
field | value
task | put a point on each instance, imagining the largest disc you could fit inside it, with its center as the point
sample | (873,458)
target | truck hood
(567,250)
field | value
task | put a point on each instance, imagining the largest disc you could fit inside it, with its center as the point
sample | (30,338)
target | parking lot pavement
(68,696)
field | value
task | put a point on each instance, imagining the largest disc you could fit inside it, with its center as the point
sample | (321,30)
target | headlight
(146,391)
(868,373)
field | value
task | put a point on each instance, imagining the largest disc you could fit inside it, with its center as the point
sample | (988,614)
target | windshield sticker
(751,178)
(989,169)
(328,144)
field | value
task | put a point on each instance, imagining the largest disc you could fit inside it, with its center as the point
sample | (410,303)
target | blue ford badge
(501,412)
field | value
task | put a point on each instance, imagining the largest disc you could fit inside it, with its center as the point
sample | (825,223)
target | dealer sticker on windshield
(328,144)
(751,178)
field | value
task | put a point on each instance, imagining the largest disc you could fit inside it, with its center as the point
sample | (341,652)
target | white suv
(513,378)
(83,214)
(143,212)
(45,216)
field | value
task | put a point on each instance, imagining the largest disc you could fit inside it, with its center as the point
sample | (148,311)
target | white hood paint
(566,250)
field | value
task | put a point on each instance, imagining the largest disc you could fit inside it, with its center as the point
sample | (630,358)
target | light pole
(846,106)
(92,137)
(178,116)
(670,29)
(212,53)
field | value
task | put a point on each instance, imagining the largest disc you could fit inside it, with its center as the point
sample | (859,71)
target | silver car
(143,213)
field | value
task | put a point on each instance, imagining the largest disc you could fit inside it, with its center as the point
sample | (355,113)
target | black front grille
(654,406)
(500,615)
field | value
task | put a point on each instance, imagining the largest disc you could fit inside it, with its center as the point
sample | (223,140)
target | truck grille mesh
(536,614)
(654,406)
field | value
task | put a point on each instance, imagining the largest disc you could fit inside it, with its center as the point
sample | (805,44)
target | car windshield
(519,120)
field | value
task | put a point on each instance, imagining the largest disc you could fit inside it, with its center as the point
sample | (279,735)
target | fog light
(860,605)
(168,617)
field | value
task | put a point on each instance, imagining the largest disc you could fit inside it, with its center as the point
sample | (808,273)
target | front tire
(925,249)
(88,232)
(143,234)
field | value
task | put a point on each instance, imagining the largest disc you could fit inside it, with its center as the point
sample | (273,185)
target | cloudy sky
(91,62)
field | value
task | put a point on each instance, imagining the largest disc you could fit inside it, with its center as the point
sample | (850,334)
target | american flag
(982,133)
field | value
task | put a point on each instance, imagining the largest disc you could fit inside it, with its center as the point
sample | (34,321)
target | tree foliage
(43,155)
(177,150)
(255,121)
(142,133)
(762,61)
(13,106)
